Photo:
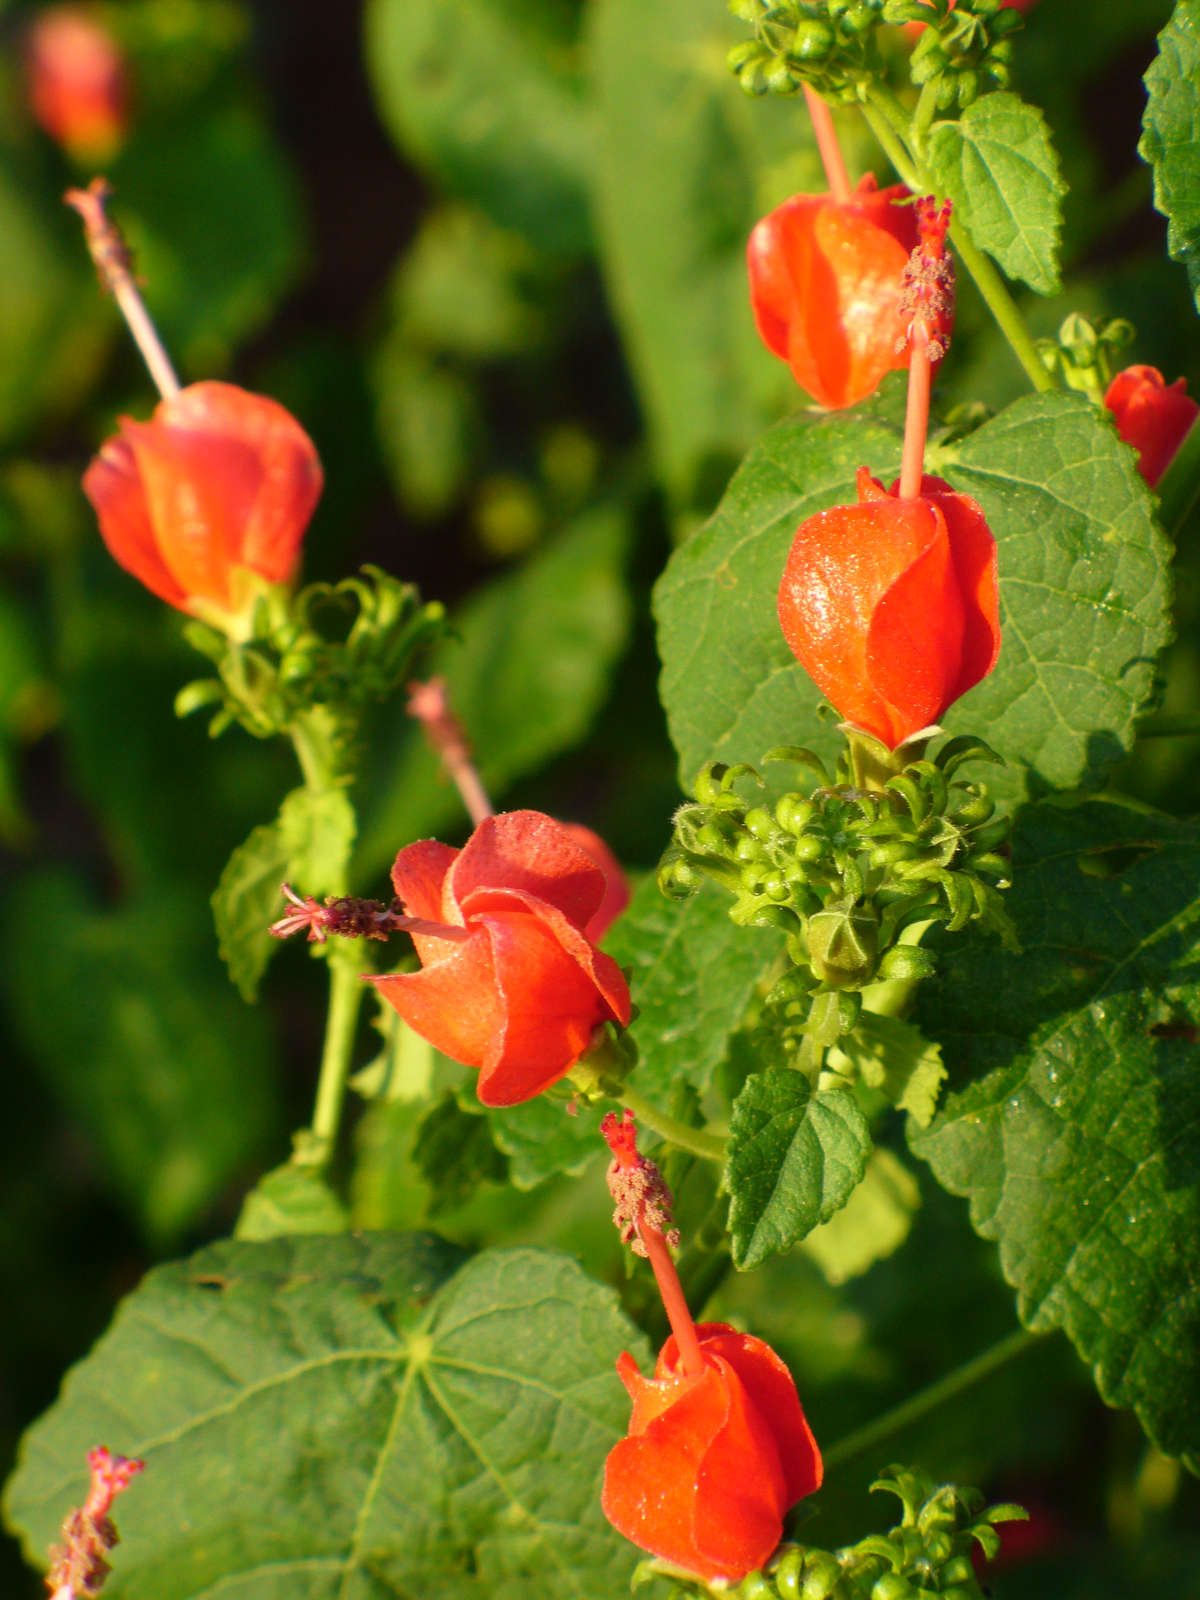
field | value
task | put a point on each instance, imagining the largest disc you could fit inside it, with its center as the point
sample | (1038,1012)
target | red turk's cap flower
(892,606)
(219,480)
(77,82)
(712,1461)
(1151,415)
(616,885)
(513,985)
(826,282)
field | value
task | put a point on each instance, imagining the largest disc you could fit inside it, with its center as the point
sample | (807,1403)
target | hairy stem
(669,1128)
(937,1394)
(889,123)
(832,159)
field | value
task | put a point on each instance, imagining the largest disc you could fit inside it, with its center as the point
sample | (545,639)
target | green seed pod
(908,962)
(744,53)
(1002,50)
(946,92)
(678,880)
(773,886)
(821,1579)
(843,941)
(793,812)
(813,42)
(787,1576)
(760,823)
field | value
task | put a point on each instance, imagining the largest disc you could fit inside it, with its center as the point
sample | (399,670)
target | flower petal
(616,886)
(452,1001)
(418,875)
(740,1493)
(772,1390)
(530,852)
(114,487)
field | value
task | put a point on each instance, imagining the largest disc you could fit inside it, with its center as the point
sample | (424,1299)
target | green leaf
(527,673)
(793,1159)
(686,166)
(308,845)
(999,167)
(454,1152)
(1084,592)
(542,1137)
(873,1223)
(694,974)
(211,211)
(290,1200)
(400,1444)
(137,1031)
(896,1058)
(1077,1136)
(426,417)
(1171,137)
(487,95)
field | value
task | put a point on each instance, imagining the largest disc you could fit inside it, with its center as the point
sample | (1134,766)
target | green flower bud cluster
(1082,355)
(928,1553)
(962,51)
(844,872)
(827,44)
(290,669)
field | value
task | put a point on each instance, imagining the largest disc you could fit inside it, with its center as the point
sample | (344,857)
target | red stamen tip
(110,1476)
(620,1134)
(641,1198)
(933,221)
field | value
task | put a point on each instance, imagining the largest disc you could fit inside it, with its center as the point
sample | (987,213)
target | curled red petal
(453,1001)
(531,853)
(114,486)
(418,876)
(616,885)
(1151,415)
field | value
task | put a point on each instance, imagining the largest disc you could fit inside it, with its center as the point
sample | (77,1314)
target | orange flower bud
(511,983)
(217,483)
(892,606)
(712,1461)
(77,83)
(826,283)
(1151,415)
(616,886)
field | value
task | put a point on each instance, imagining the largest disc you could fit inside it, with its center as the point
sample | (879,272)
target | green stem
(700,1144)
(346,966)
(1179,485)
(920,1405)
(889,123)
(1180,726)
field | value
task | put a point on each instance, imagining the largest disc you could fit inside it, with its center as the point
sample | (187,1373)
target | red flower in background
(826,281)
(892,606)
(714,1460)
(616,885)
(218,481)
(511,983)
(77,89)
(1151,415)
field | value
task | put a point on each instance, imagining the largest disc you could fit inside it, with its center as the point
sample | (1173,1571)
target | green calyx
(292,675)
(827,44)
(1082,355)
(852,875)
(962,52)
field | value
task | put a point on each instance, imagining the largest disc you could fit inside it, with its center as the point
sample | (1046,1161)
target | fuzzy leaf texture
(1171,137)
(309,845)
(1000,169)
(793,1159)
(1084,591)
(315,1424)
(1074,1127)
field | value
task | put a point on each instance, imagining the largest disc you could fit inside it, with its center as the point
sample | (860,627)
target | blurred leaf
(288,1201)
(140,1037)
(451,1446)
(532,668)
(873,1223)
(54,327)
(487,96)
(308,845)
(1077,1140)
(1171,141)
(542,1137)
(998,166)
(211,212)
(1083,592)
(463,287)
(891,1055)
(793,1159)
(426,417)
(454,1152)
(694,974)
(404,1067)
(686,165)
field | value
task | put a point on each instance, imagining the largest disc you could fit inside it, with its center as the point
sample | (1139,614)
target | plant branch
(669,1128)
(937,1394)
(347,963)
(1179,485)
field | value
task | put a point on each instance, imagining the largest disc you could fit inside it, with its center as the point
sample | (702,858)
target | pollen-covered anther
(641,1197)
(927,293)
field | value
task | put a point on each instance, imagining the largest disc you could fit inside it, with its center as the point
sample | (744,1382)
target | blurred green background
(490,254)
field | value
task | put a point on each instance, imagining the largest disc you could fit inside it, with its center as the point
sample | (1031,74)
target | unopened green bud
(747,10)
(957,1593)
(678,879)
(1006,21)
(821,1580)
(968,86)
(907,962)
(743,53)
(892,1587)
(946,92)
(813,42)
(710,837)
(858,18)
(755,1587)
(760,822)
(958,1570)
(793,813)
(809,848)
(885,855)
(787,1576)
(780,79)
(773,886)
(1002,50)
(748,849)
(843,941)
(794,985)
